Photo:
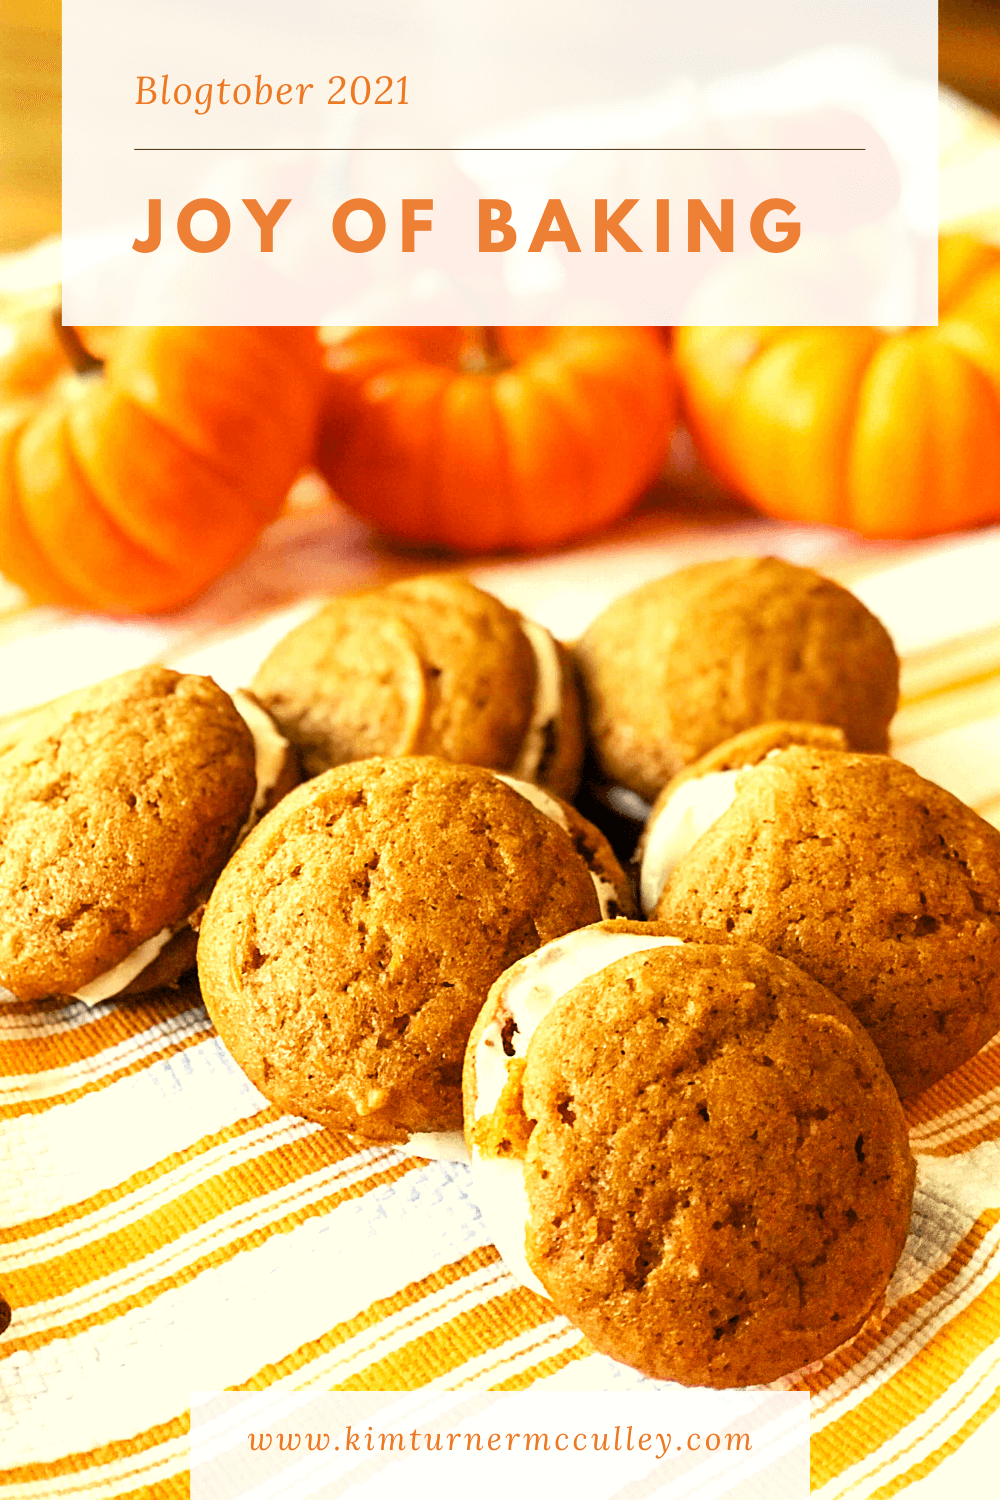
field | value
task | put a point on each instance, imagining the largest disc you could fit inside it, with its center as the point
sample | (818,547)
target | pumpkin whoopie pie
(692,800)
(427,666)
(119,805)
(692,659)
(693,1149)
(878,883)
(351,941)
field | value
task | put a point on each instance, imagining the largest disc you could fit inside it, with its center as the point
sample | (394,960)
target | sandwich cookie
(429,666)
(119,805)
(878,883)
(173,952)
(353,938)
(692,659)
(692,801)
(693,1150)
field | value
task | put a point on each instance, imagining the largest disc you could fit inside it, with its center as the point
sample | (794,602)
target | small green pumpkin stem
(80,358)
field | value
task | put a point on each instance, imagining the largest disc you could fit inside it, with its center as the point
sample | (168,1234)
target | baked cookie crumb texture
(692,659)
(693,799)
(118,803)
(615,893)
(352,940)
(429,666)
(717,1169)
(276,770)
(878,883)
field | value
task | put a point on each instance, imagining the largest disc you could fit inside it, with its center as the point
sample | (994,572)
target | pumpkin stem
(483,354)
(491,345)
(79,356)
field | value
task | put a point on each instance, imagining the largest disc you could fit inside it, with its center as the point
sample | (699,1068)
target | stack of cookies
(685,1131)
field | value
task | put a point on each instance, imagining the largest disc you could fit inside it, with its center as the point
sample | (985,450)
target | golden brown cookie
(428,666)
(276,767)
(615,889)
(693,799)
(692,659)
(879,884)
(351,941)
(694,1151)
(119,804)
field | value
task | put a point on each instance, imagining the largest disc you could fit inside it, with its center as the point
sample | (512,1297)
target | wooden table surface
(30,86)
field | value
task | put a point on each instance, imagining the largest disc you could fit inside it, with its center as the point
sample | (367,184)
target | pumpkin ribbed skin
(893,434)
(130,488)
(555,435)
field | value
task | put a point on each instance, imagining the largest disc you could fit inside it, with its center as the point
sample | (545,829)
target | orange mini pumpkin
(895,434)
(131,481)
(483,440)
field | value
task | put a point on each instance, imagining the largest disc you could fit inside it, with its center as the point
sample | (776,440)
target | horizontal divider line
(499,148)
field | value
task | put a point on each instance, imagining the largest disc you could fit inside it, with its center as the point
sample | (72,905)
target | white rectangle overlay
(654,1439)
(547,162)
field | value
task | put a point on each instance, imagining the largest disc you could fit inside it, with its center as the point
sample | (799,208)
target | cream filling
(534,985)
(114,980)
(547,705)
(689,813)
(270,749)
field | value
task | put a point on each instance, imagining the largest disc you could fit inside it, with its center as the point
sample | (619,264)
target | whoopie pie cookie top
(429,666)
(878,883)
(351,941)
(693,799)
(690,660)
(715,1178)
(119,805)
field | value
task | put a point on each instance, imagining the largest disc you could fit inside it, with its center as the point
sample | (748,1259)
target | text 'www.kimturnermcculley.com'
(620,1439)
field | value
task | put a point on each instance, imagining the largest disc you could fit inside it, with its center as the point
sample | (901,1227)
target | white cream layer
(270,749)
(547,705)
(534,985)
(113,981)
(689,813)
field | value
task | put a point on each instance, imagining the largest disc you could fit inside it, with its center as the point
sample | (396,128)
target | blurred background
(30,95)
(30,124)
